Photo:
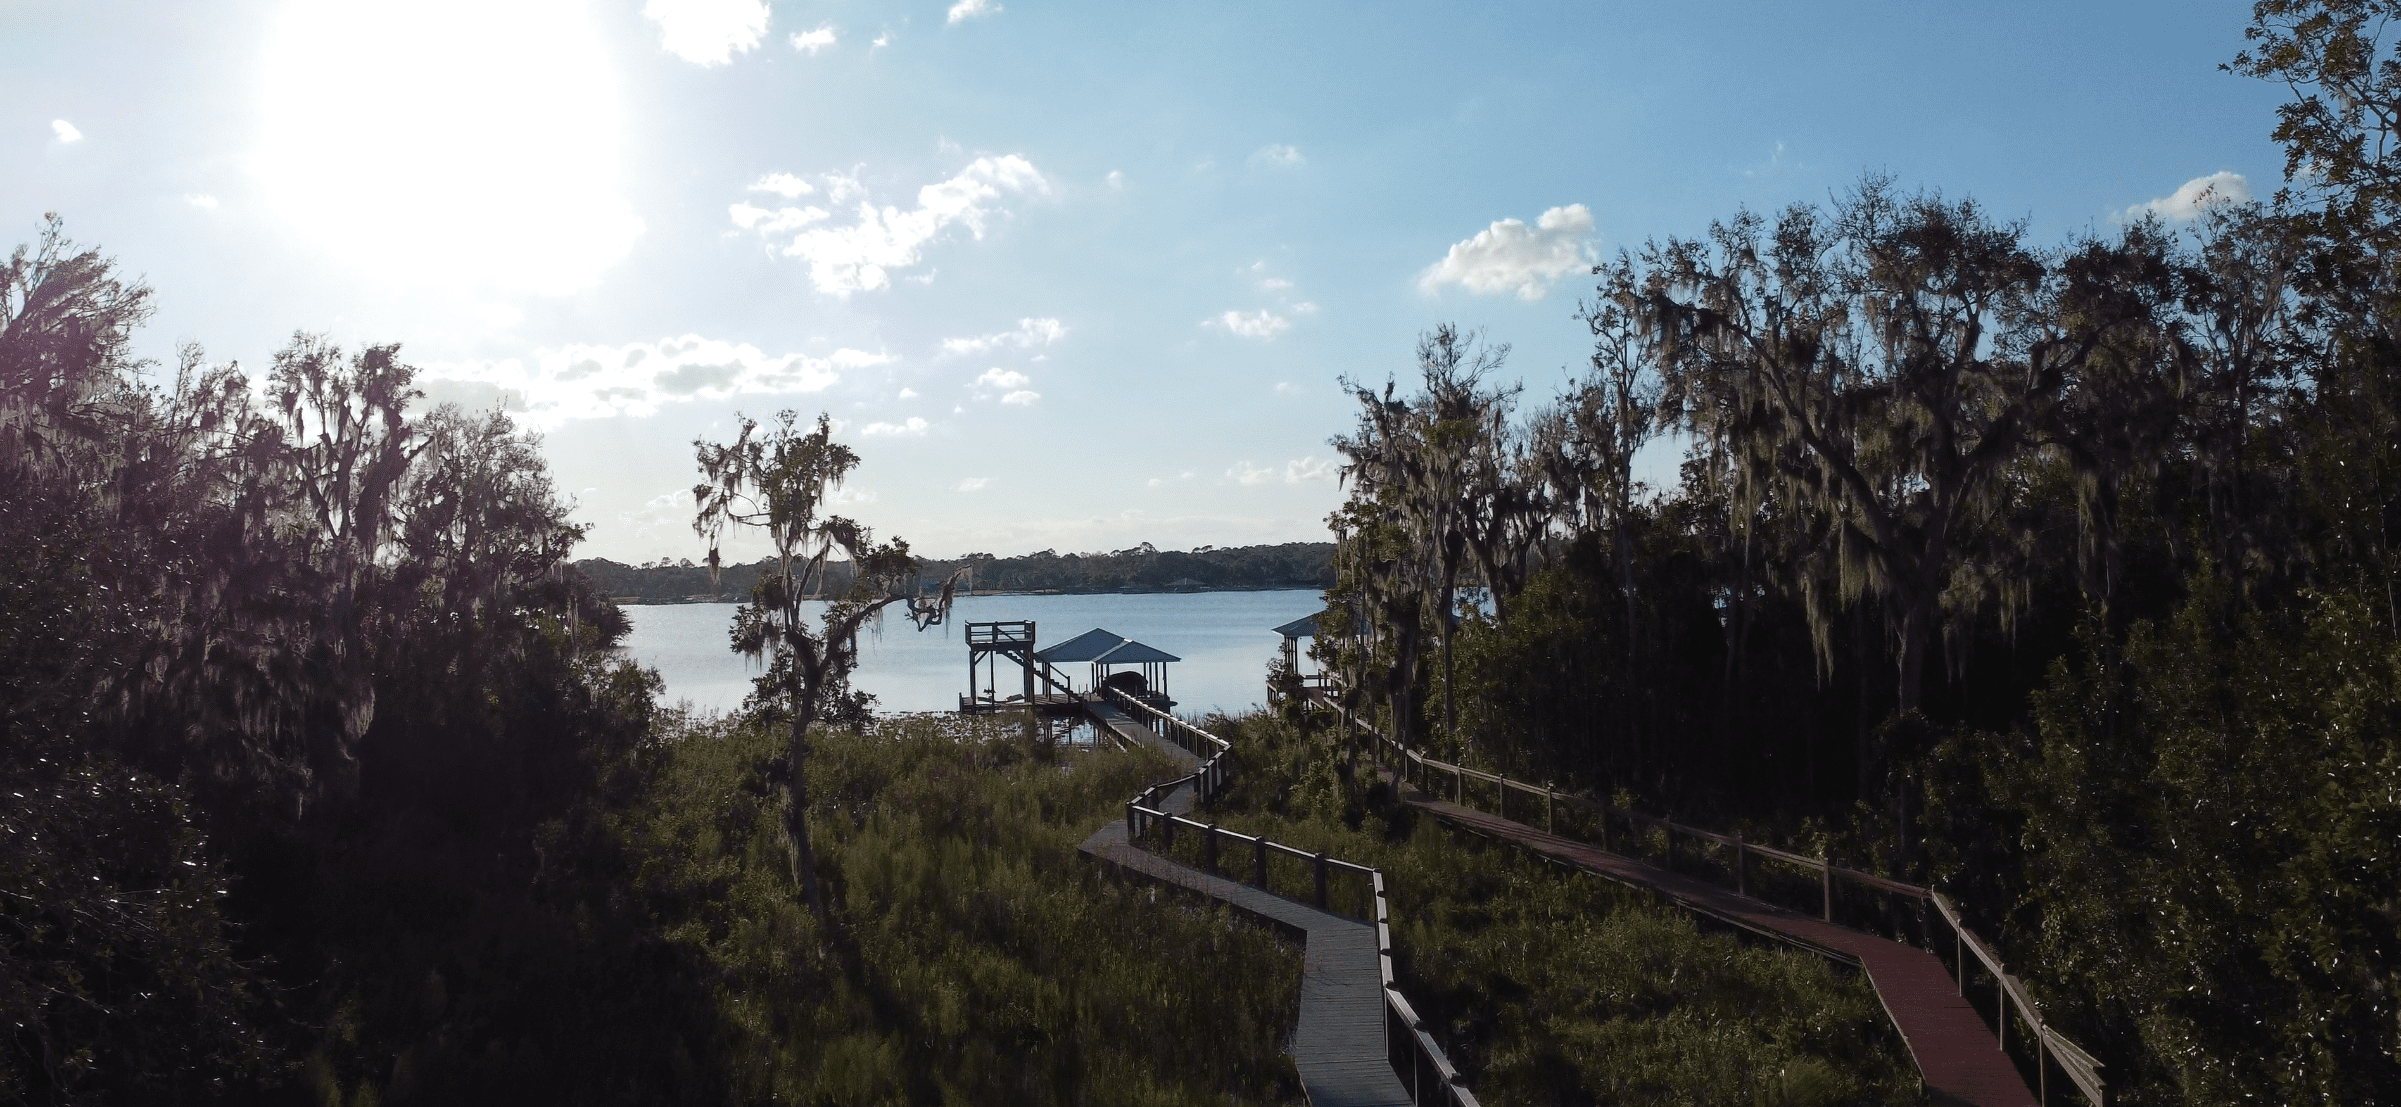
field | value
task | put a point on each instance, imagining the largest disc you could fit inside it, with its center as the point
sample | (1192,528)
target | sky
(1069,277)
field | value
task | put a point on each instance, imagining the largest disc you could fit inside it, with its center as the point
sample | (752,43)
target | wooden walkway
(1961,1061)
(1338,1045)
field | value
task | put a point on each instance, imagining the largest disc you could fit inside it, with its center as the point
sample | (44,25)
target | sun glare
(448,142)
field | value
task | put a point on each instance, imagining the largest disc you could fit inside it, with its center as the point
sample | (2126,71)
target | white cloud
(908,393)
(1305,307)
(971,484)
(1278,154)
(813,43)
(999,379)
(708,32)
(1296,471)
(881,41)
(2194,196)
(589,382)
(1022,398)
(201,201)
(970,9)
(1116,179)
(1286,388)
(65,131)
(912,427)
(1275,284)
(860,256)
(1261,324)
(765,222)
(1030,334)
(783,184)
(1510,257)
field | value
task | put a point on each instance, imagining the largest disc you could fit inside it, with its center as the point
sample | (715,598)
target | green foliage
(2207,816)
(973,956)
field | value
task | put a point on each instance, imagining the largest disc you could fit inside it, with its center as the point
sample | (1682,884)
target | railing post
(1459,785)
(1825,863)
(1321,880)
(1503,810)
(1740,887)
(1259,859)
(1550,811)
(1130,833)
(1167,834)
(1209,849)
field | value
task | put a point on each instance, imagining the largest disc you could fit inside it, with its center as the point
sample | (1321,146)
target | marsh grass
(975,957)
(1548,986)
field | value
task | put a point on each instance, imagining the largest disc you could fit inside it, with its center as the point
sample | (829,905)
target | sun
(445,142)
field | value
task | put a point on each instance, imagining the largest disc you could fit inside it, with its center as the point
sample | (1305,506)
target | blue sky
(1069,276)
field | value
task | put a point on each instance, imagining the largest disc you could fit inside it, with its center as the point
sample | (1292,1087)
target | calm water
(1224,638)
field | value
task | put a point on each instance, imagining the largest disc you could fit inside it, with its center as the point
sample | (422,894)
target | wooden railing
(2050,1047)
(1423,1068)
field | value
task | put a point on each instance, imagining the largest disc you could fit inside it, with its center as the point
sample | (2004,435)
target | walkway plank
(1338,1045)
(1961,1061)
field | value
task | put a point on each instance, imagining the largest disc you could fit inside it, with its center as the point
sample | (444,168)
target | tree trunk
(796,814)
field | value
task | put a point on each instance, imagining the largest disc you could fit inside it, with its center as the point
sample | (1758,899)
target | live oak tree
(778,481)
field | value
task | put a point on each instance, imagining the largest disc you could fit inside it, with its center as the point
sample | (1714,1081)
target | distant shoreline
(639,601)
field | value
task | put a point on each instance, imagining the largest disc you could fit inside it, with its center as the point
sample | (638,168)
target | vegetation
(1553,987)
(2058,576)
(1140,569)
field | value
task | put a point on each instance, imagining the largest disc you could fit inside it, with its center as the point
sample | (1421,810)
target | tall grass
(975,958)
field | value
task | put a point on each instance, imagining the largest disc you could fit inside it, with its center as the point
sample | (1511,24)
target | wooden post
(1167,834)
(1503,811)
(1959,958)
(1550,811)
(1826,878)
(1459,786)
(1259,859)
(1209,849)
(1130,832)
(1741,888)
(2001,985)
(1321,880)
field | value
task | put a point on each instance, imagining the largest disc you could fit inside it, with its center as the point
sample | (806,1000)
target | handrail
(1406,1042)
(2081,1068)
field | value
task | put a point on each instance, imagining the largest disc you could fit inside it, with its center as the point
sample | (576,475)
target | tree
(778,481)
(1884,368)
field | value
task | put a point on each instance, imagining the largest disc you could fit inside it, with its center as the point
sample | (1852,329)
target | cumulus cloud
(970,9)
(912,427)
(65,131)
(590,382)
(2196,196)
(813,43)
(763,221)
(862,255)
(1022,398)
(1261,324)
(1512,257)
(1030,334)
(998,379)
(783,184)
(201,201)
(1275,284)
(1277,155)
(1296,471)
(971,484)
(708,32)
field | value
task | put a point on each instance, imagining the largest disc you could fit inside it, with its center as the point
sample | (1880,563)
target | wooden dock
(1961,1061)
(1339,1045)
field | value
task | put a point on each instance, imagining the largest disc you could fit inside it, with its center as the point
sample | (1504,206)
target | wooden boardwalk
(1338,1045)
(1961,1061)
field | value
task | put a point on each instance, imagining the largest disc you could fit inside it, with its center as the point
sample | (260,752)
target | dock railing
(2050,1047)
(1423,1068)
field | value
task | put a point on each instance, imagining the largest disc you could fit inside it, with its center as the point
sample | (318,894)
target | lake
(1225,640)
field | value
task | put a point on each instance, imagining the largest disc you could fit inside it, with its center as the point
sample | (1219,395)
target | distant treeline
(1143,568)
